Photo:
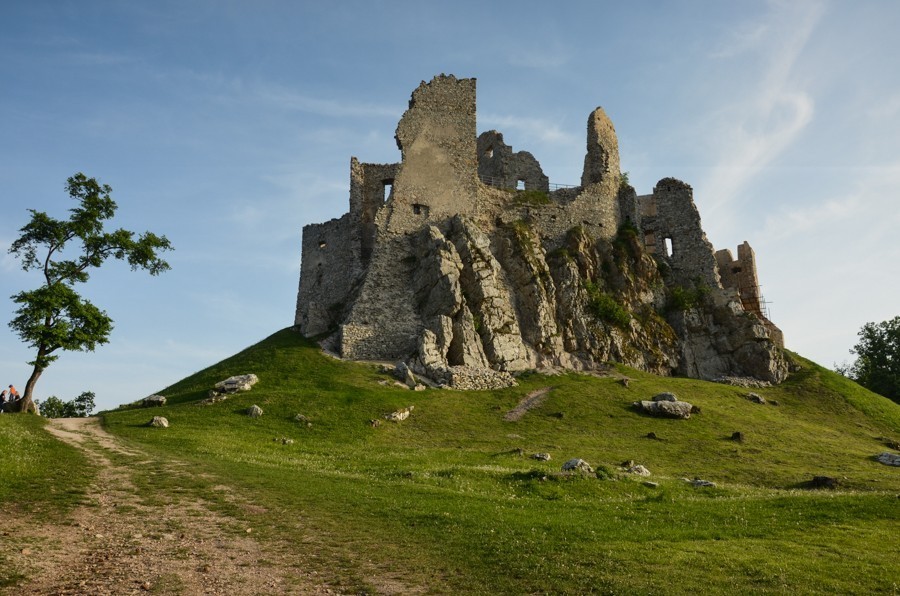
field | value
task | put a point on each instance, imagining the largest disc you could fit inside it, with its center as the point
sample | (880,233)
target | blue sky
(227,126)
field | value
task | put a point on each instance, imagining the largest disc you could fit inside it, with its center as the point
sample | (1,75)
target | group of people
(8,397)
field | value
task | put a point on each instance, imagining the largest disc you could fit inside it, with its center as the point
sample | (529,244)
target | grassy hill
(450,499)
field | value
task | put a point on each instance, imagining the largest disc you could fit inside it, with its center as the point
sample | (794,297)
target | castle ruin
(463,262)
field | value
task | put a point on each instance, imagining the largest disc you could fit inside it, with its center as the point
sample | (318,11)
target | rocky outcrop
(153,401)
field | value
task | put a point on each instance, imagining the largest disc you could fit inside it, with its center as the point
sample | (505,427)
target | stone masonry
(460,261)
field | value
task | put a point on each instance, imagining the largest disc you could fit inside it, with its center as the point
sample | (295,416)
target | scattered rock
(652,435)
(420,387)
(541,456)
(284,440)
(774,402)
(756,398)
(891,443)
(666,408)
(303,420)
(158,422)
(624,381)
(214,398)
(747,382)
(697,482)
(822,482)
(254,411)
(665,397)
(405,375)
(737,436)
(399,415)
(650,484)
(577,465)
(153,401)
(888,459)
(374,423)
(638,470)
(237,383)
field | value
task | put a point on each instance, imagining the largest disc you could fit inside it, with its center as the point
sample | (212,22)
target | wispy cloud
(287,99)
(538,129)
(754,130)
(543,56)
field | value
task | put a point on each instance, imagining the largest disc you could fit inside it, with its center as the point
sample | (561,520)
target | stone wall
(499,166)
(740,275)
(328,270)
(670,224)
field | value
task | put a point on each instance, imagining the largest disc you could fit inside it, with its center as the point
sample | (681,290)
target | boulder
(254,411)
(541,456)
(737,436)
(153,401)
(405,375)
(577,465)
(399,415)
(697,482)
(665,409)
(237,383)
(756,398)
(303,420)
(665,397)
(158,422)
(888,459)
(638,470)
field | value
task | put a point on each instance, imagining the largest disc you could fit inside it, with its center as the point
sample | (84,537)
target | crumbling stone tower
(462,261)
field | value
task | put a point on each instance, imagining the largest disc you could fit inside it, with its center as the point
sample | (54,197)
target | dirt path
(121,542)
(529,402)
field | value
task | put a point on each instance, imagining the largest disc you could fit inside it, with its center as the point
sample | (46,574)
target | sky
(227,126)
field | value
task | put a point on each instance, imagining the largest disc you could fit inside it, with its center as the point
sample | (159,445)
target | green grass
(451,500)
(38,473)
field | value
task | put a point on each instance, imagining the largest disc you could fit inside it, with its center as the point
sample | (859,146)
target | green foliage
(605,308)
(624,182)
(682,298)
(877,366)
(531,197)
(453,494)
(80,407)
(54,316)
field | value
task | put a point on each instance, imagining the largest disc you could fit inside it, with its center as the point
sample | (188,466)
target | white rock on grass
(577,465)
(254,411)
(639,470)
(399,415)
(158,422)
(237,383)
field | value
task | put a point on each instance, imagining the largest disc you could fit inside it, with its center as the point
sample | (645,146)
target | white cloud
(755,128)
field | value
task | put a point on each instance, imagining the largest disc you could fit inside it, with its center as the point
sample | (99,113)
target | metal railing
(501,183)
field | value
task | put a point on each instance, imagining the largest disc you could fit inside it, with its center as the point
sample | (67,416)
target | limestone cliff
(471,282)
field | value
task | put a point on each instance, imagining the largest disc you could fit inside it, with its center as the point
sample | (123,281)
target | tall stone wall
(328,271)
(670,218)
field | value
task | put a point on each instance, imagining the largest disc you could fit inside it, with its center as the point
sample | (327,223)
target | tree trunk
(26,404)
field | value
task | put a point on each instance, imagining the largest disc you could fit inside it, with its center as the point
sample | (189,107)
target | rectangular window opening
(520,185)
(669,250)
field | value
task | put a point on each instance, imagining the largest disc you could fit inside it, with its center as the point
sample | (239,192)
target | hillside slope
(450,499)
